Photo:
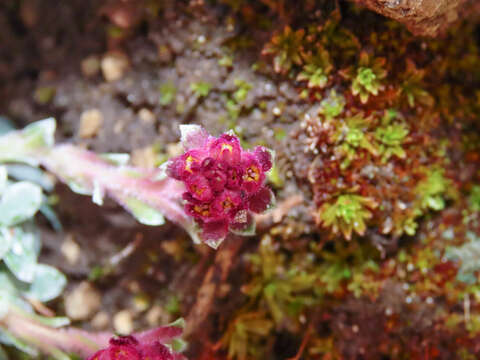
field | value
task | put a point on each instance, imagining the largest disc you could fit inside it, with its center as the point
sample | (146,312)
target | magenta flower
(224,183)
(148,345)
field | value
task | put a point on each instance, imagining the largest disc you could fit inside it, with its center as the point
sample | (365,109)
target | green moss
(173,305)
(368,77)
(474,198)
(280,134)
(285,48)
(391,138)
(168,91)
(432,190)
(244,335)
(226,61)
(243,88)
(412,86)
(332,105)
(352,137)
(346,214)
(275,178)
(233,109)
(201,88)
(44,95)
(285,293)
(316,69)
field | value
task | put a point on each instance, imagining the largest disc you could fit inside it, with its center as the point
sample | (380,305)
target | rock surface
(423,17)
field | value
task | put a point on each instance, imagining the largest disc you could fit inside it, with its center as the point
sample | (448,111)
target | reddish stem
(47,338)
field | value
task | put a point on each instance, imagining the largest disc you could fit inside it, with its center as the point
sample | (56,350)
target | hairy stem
(47,338)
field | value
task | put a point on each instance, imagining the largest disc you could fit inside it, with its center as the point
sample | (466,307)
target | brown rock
(423,17)
(123,13)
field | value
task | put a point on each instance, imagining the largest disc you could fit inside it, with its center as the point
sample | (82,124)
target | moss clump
(346,214)
(316,69)
(368,76)
(432,189)
(201,88)
(286,48)
(391,138)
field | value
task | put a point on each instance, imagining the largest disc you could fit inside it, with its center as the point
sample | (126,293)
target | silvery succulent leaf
(47,284)
(34,175)
(4,303)
(21,259)
(3,179)
(144,213)
(5,243)
(20,201)
(8,339)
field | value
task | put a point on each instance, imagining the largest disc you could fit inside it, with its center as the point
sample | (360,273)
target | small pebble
(145,158)
(90,123)
(164,54)
(146,116)
(43,95)
(114,66)
(82,302)
(157,315)
(101,320)
(174,149)
(123,322)
(141,302)
(70,249)
(119,127)
(90,66)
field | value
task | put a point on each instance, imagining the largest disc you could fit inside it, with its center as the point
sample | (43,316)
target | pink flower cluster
(224,183)
(148,345)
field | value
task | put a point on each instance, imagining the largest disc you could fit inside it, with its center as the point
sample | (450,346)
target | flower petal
(100,355)
(252,174)
(181,167)
(123,352)
(201,211)
(199,187)
(175,168)
(264,157)
(214,232)
(124,341)
(228,203)
(215,173)
(243,224)
(156,351)
(226,148)
(162,334)
(193,136)
(234,178)
(261,200)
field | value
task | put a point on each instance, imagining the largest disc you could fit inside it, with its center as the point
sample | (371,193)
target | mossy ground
(377,131)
